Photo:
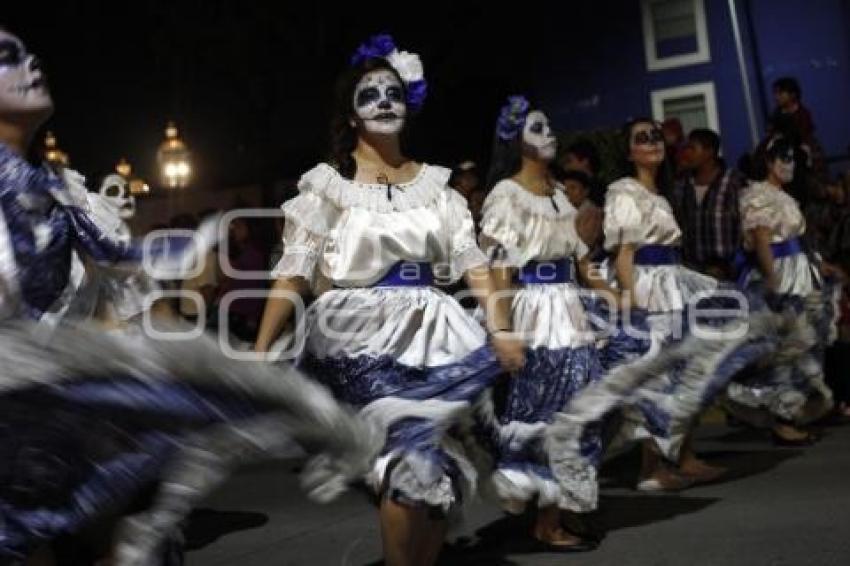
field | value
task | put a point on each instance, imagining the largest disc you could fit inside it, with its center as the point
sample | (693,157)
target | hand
(771,283)
(831,271)
(510,350)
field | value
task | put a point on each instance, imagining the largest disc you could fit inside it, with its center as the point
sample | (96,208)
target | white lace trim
(511,191)
(423,190)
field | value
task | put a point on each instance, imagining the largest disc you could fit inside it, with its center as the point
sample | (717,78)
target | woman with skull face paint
(528,229)
(776,262)
(108,438)
(375,227)
(664,361)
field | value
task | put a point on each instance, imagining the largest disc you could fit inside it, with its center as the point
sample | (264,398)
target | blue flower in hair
(512,117)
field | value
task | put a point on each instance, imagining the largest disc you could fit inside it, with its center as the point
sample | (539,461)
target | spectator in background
(205,284)
(475,203)
(706,206)
(793,120)
(581,155)
(837,252)
(789,109)
(245,256)
(465,179)
(675,145)
(589,220)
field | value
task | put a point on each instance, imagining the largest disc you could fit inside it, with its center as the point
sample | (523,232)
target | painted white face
(538,136)
(783,167)
(114,189)
(23,87)
(379,102)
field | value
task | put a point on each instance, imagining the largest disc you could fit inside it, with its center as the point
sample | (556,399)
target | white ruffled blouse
(351,234)
(527,226)
(763,205)
(636,215)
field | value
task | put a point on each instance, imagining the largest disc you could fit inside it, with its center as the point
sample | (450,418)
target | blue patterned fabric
(624,346)
(75,451)
(35,196)
(798,375)
(366,379)
(359,381)
(541,389)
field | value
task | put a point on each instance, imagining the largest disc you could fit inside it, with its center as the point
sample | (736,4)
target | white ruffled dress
(534,234)
(784,388)
(402,352)
(658,370)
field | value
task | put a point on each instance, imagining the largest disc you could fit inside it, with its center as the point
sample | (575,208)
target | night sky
(249,83)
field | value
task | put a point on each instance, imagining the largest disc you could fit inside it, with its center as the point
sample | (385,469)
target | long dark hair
(505,159)
(343,135)
(506,156)
(664,175)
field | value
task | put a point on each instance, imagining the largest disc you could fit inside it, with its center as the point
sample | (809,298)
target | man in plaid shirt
(706,206)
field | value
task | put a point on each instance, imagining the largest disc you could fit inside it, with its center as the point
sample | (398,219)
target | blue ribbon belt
(745,262)
(408,274)
(554,271)
(658,255)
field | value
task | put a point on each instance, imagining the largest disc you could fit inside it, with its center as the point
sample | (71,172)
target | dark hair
(775,147)
(706,138)
(584,149)
(789,85)
(571,175)
(664,175)
(343,135)
(505,160)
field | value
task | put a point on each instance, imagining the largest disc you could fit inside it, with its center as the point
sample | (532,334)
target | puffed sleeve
(757,210)
(464,253)
(623,222)
(308,218)
(499,233)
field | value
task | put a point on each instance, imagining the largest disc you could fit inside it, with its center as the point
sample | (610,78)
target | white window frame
(701,55)
(705,89)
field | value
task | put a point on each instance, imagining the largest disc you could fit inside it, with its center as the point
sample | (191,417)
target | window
(675,33)
(694,105)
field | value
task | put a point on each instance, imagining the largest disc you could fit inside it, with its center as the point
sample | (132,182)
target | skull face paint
(379,103)
(537,136)
(114,189)
(783,167)
(23,86)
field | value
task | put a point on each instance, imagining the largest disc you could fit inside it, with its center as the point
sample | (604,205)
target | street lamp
(136,185)
(173,158)
(52,154)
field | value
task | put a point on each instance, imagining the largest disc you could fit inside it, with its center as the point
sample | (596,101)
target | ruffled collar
(421,191)
(536,204)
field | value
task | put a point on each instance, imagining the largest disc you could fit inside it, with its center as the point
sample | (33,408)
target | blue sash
(554,271)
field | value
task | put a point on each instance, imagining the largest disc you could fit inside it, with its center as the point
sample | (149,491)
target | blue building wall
(594,74)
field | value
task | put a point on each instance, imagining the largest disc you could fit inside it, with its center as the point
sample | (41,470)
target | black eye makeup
(536,128)
(10,53)
(648,137)
(367,96)
(394,93)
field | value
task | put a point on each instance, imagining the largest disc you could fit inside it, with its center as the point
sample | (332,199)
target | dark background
(249,83)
